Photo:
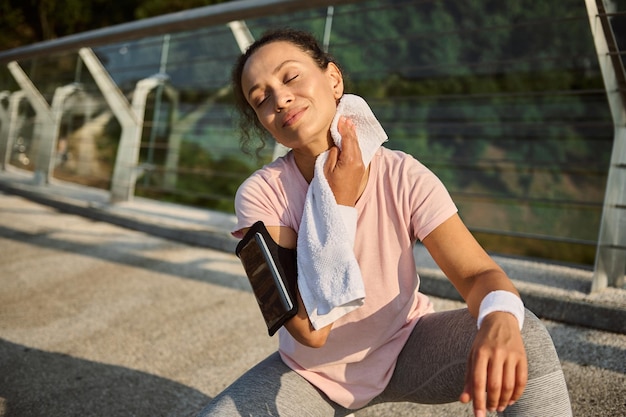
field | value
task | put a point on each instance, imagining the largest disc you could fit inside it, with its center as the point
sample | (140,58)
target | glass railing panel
(504,102)
(88,134)
(189,151)
(131,61)
(210,165)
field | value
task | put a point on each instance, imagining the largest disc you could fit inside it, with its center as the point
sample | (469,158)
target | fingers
(349,141)
(468,389)
(344,169)
(493,384)
(506,388)
(509,384)
(350,149)
(497,369)
(521,376)
(478,380)
(483,386)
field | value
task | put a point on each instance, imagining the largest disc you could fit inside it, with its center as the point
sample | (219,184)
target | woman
(393,347)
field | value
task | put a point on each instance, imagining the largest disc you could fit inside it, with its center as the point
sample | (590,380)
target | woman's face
(292,97)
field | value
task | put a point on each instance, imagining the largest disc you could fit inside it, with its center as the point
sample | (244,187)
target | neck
(306,165)
(305,159)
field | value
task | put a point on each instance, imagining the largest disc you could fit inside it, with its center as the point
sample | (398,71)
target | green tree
(28,21)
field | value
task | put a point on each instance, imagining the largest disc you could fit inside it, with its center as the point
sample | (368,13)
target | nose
(283,97)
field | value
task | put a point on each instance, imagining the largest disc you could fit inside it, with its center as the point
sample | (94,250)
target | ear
(336,79)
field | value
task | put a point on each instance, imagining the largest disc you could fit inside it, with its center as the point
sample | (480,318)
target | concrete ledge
(105,212)
(563,306)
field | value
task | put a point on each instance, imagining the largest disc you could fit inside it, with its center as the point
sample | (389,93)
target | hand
(344,169)
(497,369)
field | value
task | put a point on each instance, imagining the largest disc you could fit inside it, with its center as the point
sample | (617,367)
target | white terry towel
(329,277)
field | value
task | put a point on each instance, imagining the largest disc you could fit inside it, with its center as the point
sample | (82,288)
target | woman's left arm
(497,369)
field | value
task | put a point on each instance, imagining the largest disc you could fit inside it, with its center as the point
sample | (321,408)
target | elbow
(313,340)
(306,335)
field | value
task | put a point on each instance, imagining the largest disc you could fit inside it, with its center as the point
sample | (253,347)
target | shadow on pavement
(39,383)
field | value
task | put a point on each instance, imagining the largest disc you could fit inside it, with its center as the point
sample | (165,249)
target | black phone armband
(272,272)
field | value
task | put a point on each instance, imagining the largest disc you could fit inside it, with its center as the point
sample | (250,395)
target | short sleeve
(253,202)
(431,204)
(274,194)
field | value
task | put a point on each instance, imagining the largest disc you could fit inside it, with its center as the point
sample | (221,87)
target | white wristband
(501,300)
(349,216)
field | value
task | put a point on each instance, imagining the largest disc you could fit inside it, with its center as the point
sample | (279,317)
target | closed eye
(262,101)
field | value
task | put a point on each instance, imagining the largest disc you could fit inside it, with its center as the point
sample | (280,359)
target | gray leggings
(430,370)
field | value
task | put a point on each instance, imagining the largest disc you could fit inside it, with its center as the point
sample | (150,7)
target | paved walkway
(101,320)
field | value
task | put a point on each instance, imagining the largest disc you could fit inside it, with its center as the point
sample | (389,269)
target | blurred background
(504,101)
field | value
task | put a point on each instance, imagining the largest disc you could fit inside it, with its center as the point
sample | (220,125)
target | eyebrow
(278,68)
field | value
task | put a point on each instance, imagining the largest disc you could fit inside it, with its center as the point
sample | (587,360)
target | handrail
(174,22)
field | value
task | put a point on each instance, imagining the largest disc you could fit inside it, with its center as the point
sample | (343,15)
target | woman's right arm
(298,326)
(346,177)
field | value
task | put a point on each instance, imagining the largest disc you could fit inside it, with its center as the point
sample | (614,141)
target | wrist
(503,301)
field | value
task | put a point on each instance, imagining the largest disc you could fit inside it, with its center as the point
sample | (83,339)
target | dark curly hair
(249,125)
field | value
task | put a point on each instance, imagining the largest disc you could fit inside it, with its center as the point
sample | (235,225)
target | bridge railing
(511,105)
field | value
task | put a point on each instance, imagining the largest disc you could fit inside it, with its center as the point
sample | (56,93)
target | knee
(222,406)
(540,351)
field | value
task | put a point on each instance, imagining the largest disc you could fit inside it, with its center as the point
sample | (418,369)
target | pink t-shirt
(402,202)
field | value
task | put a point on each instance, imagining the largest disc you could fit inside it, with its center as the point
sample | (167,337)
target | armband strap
(501,300)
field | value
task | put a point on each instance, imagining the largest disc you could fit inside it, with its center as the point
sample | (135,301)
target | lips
(292,116)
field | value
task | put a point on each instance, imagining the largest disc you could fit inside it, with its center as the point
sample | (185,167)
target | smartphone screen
(284,297)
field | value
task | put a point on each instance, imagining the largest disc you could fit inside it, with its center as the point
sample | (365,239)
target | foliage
(205,180)
(495,97)
(29,21)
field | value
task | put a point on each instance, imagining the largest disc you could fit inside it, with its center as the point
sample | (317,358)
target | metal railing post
(5,120)
(125,169)
(45,123)
(14,126)
(610,265)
